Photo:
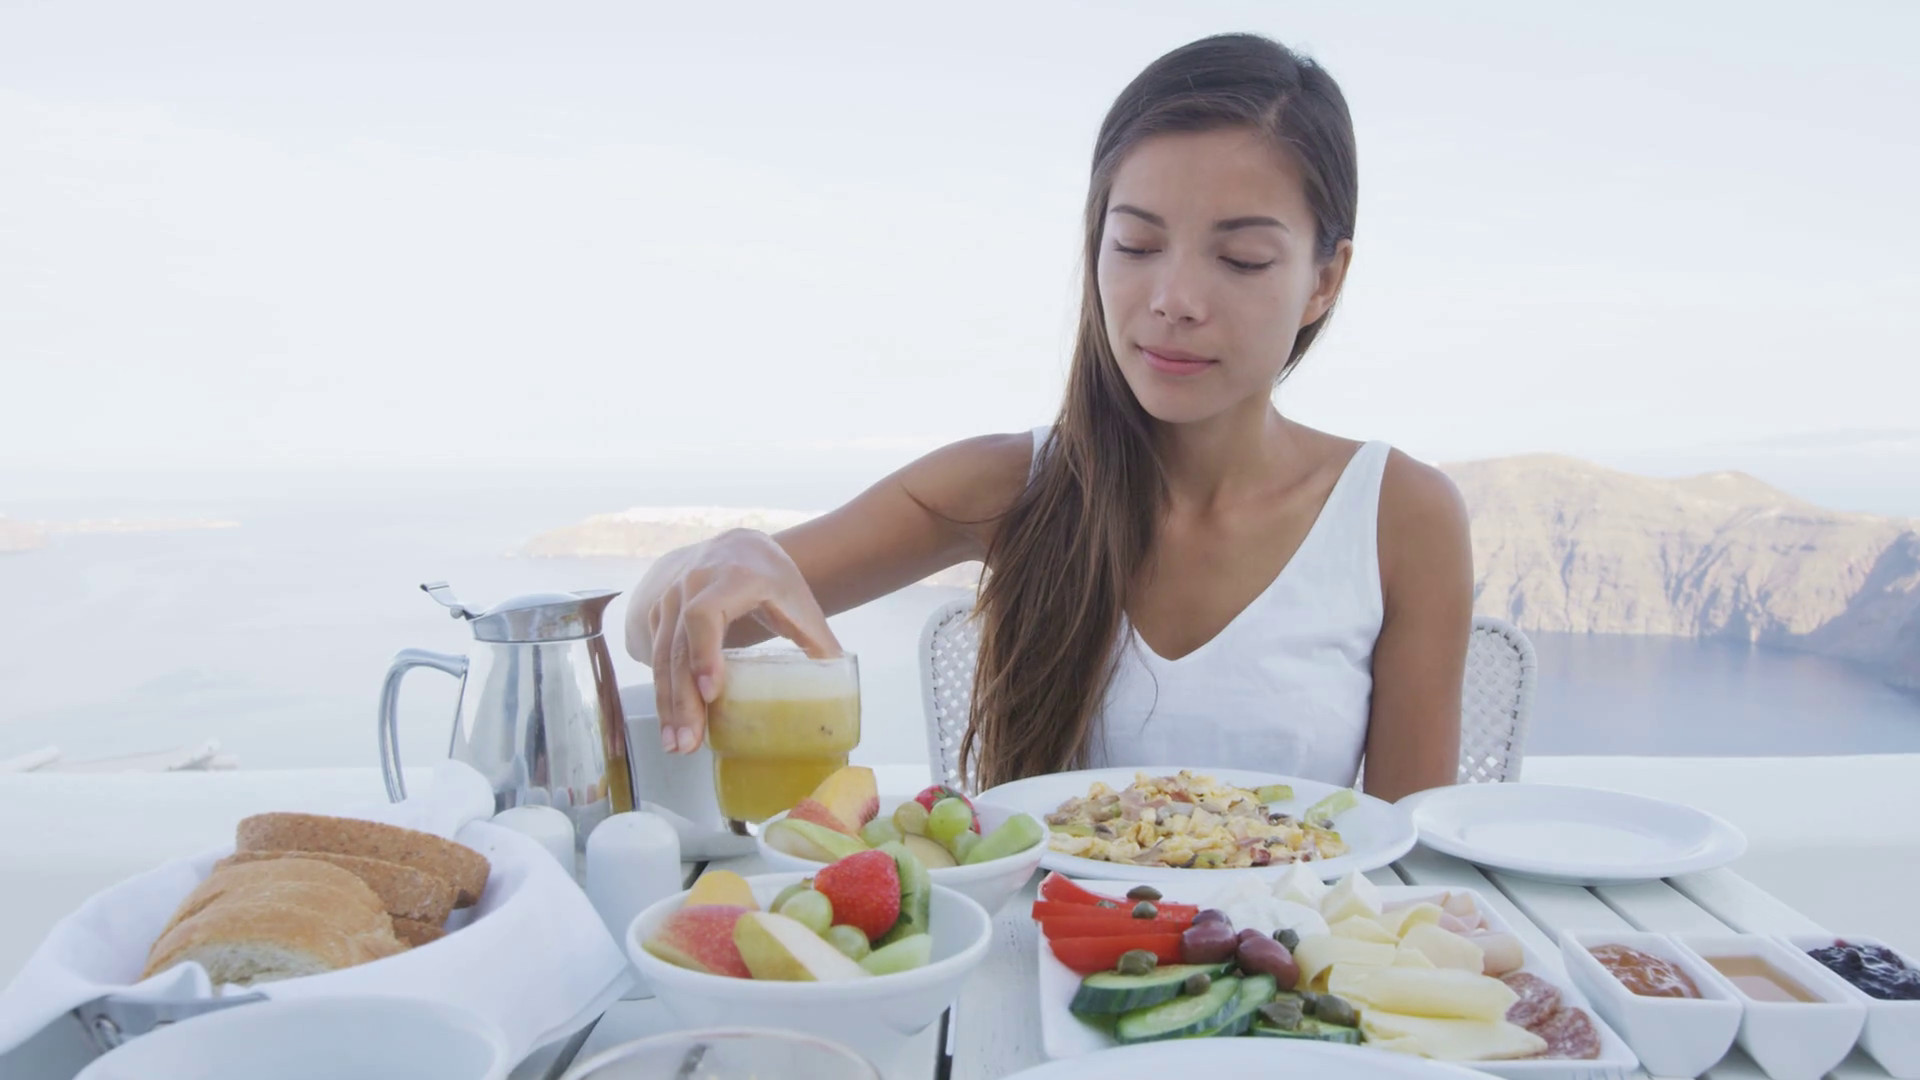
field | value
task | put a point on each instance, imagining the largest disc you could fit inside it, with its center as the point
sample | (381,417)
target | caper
(1143,892)
(1145,910)
(1288,939)
(1335,1010)
(1137,962)
(1284,1013)
(1196,984)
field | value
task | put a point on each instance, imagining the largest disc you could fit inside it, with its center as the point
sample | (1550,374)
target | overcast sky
(353,233)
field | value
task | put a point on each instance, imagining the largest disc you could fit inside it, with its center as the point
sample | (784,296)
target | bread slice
(413,933)
(246,942)
(463,866)
(300,882)
(405,891)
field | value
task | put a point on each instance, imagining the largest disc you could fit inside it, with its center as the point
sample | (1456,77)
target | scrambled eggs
(1184,821)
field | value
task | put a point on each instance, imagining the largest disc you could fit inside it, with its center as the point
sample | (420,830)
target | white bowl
(367,1038)
(1892,1032)
(1789,1040)
(990,884)
(873,1015)
(1672,1036)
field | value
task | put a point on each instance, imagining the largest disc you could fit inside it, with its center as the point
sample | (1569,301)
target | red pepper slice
(1058,888)
(1096,926)
(1048,910)
(1088,955)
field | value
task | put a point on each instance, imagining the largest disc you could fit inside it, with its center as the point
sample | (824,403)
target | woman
(1177,572)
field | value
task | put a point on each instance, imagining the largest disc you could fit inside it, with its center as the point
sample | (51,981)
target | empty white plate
(1575,835)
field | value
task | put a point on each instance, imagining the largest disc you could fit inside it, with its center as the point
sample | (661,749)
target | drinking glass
(783,723)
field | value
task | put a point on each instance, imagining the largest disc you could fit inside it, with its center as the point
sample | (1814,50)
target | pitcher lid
(555,616)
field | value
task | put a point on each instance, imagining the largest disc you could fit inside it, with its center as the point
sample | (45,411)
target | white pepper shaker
(633,862)
(553,829)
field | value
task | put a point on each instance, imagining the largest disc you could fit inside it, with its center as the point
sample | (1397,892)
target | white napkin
(532,956)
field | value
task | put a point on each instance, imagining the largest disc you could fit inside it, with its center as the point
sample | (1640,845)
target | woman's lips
(1175,363)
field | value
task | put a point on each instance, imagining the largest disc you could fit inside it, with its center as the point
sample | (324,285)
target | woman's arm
(742,587)
(1420,659)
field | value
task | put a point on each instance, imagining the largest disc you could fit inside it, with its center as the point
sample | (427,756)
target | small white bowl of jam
(1664,1002)
(1800,1019)
(1884,980)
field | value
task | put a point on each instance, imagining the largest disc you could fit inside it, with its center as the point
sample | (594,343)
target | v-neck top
(1287,685)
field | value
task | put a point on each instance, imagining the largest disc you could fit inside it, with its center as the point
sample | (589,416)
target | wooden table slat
(1743,905)
(1657,907)
(1558,908)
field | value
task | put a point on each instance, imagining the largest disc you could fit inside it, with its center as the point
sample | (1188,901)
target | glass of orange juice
(783,723)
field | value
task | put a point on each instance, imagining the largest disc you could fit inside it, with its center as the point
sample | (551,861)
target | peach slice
(701,939)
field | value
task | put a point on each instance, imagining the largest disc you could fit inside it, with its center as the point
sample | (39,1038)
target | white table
(71,835)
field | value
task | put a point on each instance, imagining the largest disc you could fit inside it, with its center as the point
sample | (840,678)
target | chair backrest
(1495,700)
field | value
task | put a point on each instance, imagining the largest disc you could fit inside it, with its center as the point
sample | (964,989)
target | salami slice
(1538,999)
(1569,1033)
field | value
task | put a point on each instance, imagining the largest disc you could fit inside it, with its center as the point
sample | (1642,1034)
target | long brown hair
(1066,554)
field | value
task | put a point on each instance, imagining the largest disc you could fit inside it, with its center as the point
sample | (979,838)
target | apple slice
(806,840)
(723,887)
(930,853)
(776,947)
(701,939)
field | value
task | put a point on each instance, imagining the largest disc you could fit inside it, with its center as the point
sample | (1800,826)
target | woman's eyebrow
(1229,225)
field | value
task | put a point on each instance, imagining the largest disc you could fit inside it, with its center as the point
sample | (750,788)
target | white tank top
(1286,687)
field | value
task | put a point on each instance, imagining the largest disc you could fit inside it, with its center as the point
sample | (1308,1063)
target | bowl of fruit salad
(984,851)
(866,950)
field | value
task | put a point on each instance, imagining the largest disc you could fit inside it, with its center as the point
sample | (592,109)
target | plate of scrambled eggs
(1169,823)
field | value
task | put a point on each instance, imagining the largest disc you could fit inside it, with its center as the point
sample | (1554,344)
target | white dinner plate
(1376,832)
(1572,835)
(1279,1059)
(1065,1036)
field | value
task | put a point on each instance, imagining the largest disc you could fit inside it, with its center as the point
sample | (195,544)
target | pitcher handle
(404,661)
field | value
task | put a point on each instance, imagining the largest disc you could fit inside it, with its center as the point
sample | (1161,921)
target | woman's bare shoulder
(1424,527)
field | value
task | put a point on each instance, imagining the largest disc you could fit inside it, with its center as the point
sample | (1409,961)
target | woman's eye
(1249,267)
(1125,250)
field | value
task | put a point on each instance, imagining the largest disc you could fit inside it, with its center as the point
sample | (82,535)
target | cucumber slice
(1310,1028)
(1255,991)
(1182,1016)
(1331,807)
(1109,992)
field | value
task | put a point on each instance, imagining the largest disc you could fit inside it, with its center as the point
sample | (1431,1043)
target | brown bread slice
(463,866)
(301,882)
(413,933)
(240,941)
(405,891)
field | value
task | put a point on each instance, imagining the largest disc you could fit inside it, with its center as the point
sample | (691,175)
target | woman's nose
(1177,295)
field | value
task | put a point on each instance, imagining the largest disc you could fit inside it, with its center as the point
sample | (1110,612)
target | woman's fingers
(665,617)
(801,623)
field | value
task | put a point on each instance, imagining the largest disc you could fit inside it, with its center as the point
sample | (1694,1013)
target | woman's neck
(1211,464)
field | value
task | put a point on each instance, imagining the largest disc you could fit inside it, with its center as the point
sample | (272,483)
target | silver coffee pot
(539,712)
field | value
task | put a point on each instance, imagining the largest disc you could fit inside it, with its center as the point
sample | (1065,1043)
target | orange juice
(782,724)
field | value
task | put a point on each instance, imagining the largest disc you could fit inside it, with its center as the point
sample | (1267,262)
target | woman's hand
(737,575)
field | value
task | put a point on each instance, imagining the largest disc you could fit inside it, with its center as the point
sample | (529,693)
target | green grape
(797,887)
(964,844)
(948,819)
(879,831)
(911,818)
(810,909)
(849,941)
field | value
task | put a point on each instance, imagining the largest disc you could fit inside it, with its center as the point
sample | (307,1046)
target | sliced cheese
(1446,949)
(1300,885)
(1361,928)
(1355,895)
(1400,920)
(1449,1040)
(1442,992)
(1317,954)
(1406,956)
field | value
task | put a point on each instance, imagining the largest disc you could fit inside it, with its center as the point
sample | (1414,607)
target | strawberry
(865,891)
(941,791)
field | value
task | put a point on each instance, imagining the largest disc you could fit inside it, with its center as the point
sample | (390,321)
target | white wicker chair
(1495,698)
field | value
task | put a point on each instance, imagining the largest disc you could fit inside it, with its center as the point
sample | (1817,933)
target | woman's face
(1207,271)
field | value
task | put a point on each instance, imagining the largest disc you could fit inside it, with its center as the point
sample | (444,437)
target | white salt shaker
(553,829)
(633,862)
